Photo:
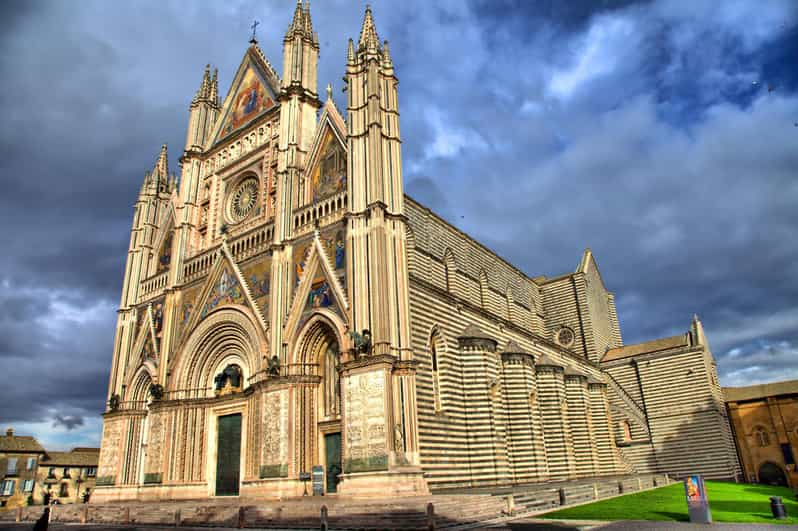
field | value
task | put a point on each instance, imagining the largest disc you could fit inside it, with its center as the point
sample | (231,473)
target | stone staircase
(466,509)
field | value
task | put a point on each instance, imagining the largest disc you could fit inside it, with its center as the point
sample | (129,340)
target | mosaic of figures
(165,256)
(321,293)
(258,275)
(251,99)
(227,290)
(187,307)
(329,176)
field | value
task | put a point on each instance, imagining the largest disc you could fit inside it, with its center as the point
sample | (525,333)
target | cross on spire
(254,27)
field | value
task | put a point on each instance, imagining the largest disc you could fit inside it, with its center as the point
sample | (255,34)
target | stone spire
(203,92)
(368,33)
(214,90)
(162,166)
(350,52)
(387,62)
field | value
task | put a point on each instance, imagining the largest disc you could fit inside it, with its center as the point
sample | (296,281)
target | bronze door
(228,455)
(332,446)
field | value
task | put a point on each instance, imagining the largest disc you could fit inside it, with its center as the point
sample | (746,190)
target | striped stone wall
(689,429)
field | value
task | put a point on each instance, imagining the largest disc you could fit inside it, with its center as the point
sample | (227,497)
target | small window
(66,472)
(31,463)
(786,450)
(627,431)
(761,437)
(91,471)
(8,487)
(436,385)
(27,485)
(64,492)
(51,472)
(12,465)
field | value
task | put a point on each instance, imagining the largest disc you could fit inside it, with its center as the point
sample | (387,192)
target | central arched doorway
(772,474)
(320,351)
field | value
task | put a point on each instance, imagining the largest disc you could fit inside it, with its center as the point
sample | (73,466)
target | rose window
(243,200)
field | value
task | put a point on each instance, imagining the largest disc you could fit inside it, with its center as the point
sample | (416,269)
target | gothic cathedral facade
(289,314)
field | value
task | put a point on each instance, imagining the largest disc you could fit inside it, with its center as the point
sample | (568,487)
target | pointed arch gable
(165,235)
(328,149)
(224,265)
(252,93)
(145,348)
(316,262)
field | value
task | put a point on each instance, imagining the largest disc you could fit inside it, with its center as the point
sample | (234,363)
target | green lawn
(728,502)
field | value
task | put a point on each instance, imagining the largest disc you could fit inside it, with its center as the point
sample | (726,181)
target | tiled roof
(20,443)
(77,457)
(648,347)
(752,392)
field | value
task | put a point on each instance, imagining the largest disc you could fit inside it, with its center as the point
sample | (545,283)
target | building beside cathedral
(288,310)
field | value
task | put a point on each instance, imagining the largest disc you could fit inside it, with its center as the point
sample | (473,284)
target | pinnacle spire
(298,22)
(386,57)
(214,90)
(368,33)
(350,52)
(162,166)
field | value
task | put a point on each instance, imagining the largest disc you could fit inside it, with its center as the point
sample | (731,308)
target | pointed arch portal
(319,347)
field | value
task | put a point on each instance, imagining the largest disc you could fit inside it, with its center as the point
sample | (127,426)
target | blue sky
(661,134)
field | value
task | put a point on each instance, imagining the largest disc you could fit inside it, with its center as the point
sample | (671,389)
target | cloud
(70,422)
(539,128)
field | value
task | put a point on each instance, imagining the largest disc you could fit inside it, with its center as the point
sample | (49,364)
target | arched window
(761,436)
(483,289)
(436,386)
(627,431)
(449,269)
(332,380)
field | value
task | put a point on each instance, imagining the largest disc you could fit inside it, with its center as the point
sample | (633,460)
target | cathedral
(291,320)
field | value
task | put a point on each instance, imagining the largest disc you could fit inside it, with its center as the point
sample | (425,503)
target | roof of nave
(522,281)
(19,443)
(647,347)
(753,392)
(469,241)
(75,457)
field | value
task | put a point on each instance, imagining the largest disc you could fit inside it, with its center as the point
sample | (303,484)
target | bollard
(324,524)
(595,491)
(430,517)
(126,516)
(19,514)
(84,514)
(620,487)
(777,508)
(177,518)
(241,518)
(561,493)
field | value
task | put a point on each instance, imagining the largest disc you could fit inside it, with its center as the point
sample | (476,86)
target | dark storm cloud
(69,422)
(540,128)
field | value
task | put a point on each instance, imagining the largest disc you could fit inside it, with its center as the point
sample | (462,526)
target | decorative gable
(253,92)
(327,163)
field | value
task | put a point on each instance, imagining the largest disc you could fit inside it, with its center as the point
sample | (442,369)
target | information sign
(318,481)
(697,502)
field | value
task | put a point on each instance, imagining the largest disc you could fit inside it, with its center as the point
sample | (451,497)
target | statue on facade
(274,366)
(156,391)
(113,402)
(362,342)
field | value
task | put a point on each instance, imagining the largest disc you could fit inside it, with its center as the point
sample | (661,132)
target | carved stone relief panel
(364,405)
(155,449)
(110,452)
(275,435)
